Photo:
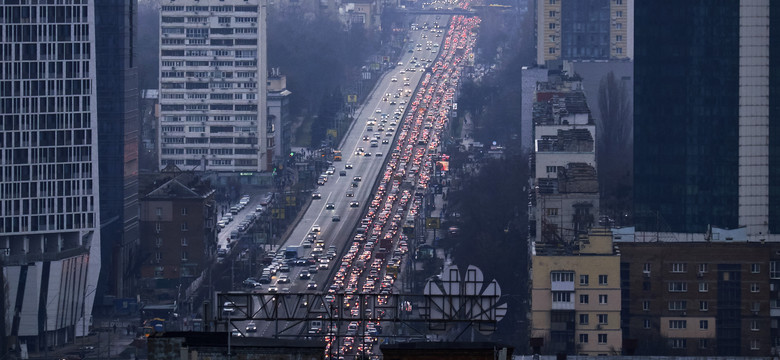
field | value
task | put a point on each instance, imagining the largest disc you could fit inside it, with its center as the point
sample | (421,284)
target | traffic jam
(371,264)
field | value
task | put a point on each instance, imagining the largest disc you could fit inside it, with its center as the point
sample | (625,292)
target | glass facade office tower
(118,141)
(706,87)
(213,86)
(49,190)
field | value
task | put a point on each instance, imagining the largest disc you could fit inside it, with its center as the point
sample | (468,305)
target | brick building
(178,233)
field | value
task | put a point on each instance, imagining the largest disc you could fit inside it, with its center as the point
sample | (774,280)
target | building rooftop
(220,339)
(558,108)
(715,234)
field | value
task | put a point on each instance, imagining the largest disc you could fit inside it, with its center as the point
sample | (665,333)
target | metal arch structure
(452,299)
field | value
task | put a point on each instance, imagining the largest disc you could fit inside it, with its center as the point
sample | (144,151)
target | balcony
(562,286)
(563,305)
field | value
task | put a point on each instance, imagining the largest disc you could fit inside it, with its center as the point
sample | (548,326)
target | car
(366,154)
(348,166)
(336,218)
(394,80)
(273,289)
(330,206)
(357,178)
(320,182)
(350,193)
(236,333)
(379,154)
(330,171)
(342,173)
(265,279)
(315,228)
(378,111)
(283,279)
(311,285)
(354,204)
(385,141)
(284,268)
(316,195)
(354,184)
(251,327)
(304,275)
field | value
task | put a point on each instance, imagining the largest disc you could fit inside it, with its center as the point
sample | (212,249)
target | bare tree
(615,147)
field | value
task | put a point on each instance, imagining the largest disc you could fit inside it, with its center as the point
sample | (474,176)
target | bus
(336,155)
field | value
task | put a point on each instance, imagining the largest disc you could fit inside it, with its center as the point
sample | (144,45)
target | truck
(336,155)
(293,252)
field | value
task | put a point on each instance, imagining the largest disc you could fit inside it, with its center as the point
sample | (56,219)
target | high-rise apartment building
(707,83)
(584,30)
(213,86)
(49,189)
(118,141)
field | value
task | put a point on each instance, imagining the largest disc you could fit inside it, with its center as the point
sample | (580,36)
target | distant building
(446,350)
(360,13)
(214,346)
(564,195)
(530,77)
(279,121)
(576,296)
(178,234)
(705,149)
(722,301)
(584,30)
(213,86)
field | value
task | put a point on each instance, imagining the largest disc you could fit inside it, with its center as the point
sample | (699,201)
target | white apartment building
(213,86)
(49,208)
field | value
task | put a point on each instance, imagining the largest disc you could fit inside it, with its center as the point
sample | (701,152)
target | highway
(337,233)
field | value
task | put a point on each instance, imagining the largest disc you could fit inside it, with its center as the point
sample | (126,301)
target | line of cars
(378,247)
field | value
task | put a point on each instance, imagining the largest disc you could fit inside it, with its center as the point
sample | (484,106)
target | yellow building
(584,30)
(575,296)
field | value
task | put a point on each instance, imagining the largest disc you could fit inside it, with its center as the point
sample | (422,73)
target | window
(584,319)
(584,280)
(551,169)
(677,343)
(583,338)
(158,242)
(618,50)
(158,227)
(754,288)
(184,255)
(561,296)
(552,25)
(553,13)
(583,299)
(618,25)
(646,268)
(184,211)
(678,324)
(679,267)
(567,276)
(603,319)
(755,268)
(755,307)
(619,14)
(646,324)
(602,299)
(774,270)
(678,286)
(158,211)
(602,279)
(602,338)
(704,287)
(552,212)
(703,343)
(754,325)
(704,305)
(158,256)
(184,241)
(704,324)
(646,305)
(702,268)
(755,345)
(184,226)
(552,2)
(618,37)
(552,50)
(678,305)
(619,2)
